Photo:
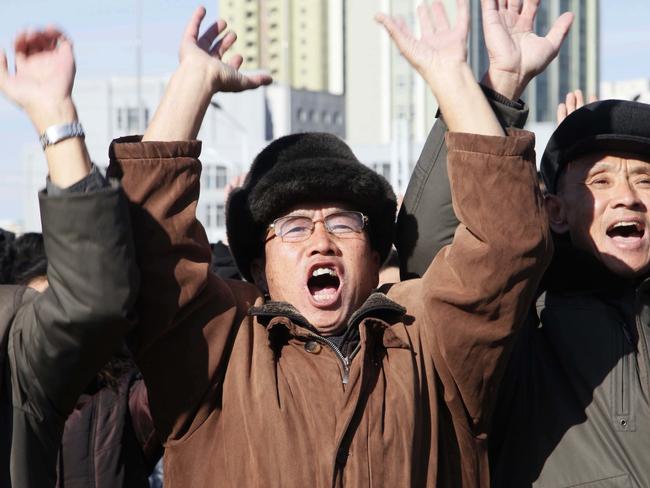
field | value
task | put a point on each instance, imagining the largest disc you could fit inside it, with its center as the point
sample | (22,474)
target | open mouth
(324,284)
(626,230)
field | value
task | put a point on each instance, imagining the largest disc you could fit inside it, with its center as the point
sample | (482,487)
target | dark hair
(29,259)
(6,256)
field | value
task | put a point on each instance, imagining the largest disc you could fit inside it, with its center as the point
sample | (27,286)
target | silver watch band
(57,133)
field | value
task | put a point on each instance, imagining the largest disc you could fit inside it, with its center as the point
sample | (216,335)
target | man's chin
(327,325)
(625,265)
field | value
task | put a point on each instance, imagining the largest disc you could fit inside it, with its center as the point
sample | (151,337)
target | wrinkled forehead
(317,208)
(613,161)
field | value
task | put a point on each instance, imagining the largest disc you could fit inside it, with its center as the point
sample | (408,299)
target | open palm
(439,43)
(204,51)
(45,69)
(513,47)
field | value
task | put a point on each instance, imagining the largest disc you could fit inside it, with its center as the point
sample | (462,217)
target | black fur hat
(609,125)
(305,168)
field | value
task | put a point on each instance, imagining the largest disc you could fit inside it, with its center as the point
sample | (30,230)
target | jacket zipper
(643,339)
(622,394)
(345,361)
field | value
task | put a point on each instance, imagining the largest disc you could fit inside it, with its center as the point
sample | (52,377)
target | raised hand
(441,46)
(440,56)
(201,73)
(516,53)
(573,101)
(43,79)
(203,52)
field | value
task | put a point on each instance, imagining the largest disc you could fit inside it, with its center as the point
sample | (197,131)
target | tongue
(322,292)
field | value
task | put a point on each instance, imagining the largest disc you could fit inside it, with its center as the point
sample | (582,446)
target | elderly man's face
(327,277)
(603,201)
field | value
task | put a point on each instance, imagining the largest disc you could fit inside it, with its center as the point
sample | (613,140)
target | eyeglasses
(296,228)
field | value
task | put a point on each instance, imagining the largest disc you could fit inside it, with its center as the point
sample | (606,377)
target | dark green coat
(55,342)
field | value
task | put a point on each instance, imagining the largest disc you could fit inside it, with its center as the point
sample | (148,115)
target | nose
(626,195)
(322,242)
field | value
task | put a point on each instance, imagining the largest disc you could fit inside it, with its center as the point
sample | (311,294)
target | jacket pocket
(623,384)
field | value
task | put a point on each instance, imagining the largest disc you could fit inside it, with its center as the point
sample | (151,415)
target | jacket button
(313,347)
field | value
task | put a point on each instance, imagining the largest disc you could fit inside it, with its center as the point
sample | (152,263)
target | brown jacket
(242,399)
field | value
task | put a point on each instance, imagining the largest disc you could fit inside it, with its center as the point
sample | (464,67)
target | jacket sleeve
(187,315)
(485,281)
(61,338)
(426,220)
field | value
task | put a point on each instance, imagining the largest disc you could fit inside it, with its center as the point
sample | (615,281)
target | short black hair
(29,259)
(6,256)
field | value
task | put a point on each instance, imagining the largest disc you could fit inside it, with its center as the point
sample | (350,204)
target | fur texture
(306,168)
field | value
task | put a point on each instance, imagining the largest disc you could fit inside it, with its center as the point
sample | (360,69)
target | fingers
(515,6)
(212,32)
(580,99)
(439,16)
(34,41)
(260,79)
(573,101)
(424,17)
(223,44)
(559,30)
(235,62)
(570,102)
(529,11)
(401,25)
(561,113)
(462,15)
(192,29)
(4,67)
(593,98)
(399,36)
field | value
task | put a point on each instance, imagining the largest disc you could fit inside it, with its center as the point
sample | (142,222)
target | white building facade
(236,127)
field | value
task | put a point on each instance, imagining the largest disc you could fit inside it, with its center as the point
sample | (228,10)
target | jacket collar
(377,305)
(576,272)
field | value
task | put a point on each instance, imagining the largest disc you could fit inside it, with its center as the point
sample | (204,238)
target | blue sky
(104,37)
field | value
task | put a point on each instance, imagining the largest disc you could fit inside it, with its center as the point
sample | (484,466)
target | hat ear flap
(244,237)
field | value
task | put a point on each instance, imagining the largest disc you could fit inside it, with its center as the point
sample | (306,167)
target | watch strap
(58,133)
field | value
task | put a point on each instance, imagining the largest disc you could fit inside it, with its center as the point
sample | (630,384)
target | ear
(556,210)
(259,274)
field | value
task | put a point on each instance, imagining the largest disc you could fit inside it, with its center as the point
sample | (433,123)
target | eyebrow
(601,166)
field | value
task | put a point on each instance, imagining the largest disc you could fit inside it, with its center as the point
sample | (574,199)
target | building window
(208,215)
(383,168)
(215,177)
(220,176)
(327,117)
(220,215)
(302,115)
(338,118)
(128,119)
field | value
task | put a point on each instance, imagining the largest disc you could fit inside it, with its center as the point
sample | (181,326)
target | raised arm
(440,56)
(181,302)
(426,221)
(59,339)
(202,72)
(477,290)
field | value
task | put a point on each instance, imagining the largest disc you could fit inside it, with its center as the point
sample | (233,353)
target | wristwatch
(57,133)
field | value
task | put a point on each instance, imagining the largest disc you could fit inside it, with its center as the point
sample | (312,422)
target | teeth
(324,271)
(627,224)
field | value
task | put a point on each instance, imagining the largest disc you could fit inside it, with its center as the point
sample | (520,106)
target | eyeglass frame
(364,225)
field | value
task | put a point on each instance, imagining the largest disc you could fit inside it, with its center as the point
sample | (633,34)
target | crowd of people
(512,350)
